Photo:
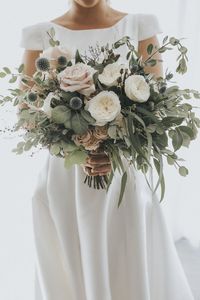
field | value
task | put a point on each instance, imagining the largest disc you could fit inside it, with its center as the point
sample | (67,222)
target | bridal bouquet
(79,103)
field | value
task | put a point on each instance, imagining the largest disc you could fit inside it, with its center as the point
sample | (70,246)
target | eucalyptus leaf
(183,171)
(68,147)
(13,79)
(150,49)
(87,116)
(55,149)
(122,189)
(112,132)
(2,74)
(177,140)
(79,125)
(75,157)
(61,114)
(7,70)
(21,68)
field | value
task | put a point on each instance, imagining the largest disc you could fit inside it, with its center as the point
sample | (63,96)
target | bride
(86,247)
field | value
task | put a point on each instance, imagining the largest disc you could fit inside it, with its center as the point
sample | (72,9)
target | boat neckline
(92,29)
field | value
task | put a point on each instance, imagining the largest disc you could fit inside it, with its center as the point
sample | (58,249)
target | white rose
(46,106)
(78,77)
(104,107)
(110,74)
(137,89)
(53,53)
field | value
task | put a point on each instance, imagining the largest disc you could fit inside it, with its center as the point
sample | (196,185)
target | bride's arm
(28,60)
(142,49)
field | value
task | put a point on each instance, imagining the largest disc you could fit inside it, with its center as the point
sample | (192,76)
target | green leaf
(183,171)
(150,49)
(79,125)
(170,160)
(28,146)
(187,130)
(68,124)
(13,79)
(60,114)
(52,42)
(165,39)
(152,62)
(2,74)
(55,149)
(159,168)
(170,121)
(52,32)
(78,58)
(122,189)
(109,180)
(186,139)
(112,132)
(177,140)
(147,113)
(128,55)
(68,147)
(75,157)
(87,116)
(21,68)
(7,70)
(135,143)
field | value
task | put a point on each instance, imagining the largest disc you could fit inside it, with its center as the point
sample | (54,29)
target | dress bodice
(137,26)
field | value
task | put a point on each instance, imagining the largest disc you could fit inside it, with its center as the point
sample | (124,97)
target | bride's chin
(87,3)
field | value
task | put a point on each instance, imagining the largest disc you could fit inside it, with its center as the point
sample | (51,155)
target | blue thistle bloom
(75,103)
(62,61)
(42,64)
(32,97)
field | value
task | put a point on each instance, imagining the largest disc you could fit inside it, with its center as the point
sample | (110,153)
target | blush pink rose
(78,77)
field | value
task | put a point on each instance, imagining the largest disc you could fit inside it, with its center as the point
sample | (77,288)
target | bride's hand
(97,163)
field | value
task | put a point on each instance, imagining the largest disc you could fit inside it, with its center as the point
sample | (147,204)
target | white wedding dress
(86,247)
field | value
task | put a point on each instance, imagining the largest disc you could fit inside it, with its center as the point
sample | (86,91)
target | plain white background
(18,173)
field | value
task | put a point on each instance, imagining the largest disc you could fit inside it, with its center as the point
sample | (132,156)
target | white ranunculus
(137,89)
(110,74)
(46,106)
(53,53)
(104,107)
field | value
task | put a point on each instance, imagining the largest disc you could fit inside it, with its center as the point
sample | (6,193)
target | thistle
(42,64)
(32,97)
(62,61)
(75,103)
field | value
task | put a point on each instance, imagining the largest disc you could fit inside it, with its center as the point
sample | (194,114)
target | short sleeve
(31,38)
(148,26)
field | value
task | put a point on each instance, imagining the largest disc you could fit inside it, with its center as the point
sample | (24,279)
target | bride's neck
(91,15)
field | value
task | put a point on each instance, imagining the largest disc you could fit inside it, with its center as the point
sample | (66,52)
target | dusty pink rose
(101,132)
(78,77)
(92,139)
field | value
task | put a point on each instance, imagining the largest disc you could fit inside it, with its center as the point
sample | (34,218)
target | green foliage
(149,131)
(75,157)
(61,114)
